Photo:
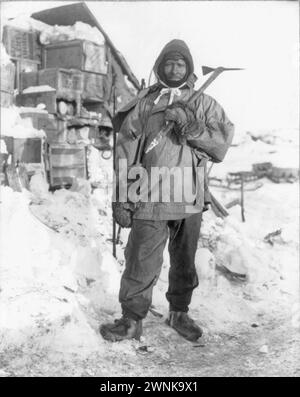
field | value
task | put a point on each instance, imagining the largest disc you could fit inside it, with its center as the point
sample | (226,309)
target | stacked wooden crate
(24,50)
(66,162)
(7,84)
(91,59)
(25,150)
(67,85)
(79,71)
(68,78)
(54,128)
(90,62)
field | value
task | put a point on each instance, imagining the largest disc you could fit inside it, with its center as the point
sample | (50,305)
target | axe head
(207,69)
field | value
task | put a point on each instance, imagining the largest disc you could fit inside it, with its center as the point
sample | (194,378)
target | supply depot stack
(71,81)
(24,50)
(59,73)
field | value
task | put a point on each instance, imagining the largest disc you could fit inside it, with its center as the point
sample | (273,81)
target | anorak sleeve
(217,133)
(129,136)
(127,146)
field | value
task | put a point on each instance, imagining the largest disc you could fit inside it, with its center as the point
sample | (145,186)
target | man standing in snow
(201,132)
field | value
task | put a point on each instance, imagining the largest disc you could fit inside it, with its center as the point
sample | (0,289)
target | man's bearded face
(175,69)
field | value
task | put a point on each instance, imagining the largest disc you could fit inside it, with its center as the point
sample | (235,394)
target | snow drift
(59,280)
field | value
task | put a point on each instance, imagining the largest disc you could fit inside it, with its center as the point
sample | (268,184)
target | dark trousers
(144,259)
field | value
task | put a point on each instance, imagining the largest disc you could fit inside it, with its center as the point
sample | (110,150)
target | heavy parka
(139,122)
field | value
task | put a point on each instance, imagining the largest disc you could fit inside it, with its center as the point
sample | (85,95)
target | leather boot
(124,328)
(184,325)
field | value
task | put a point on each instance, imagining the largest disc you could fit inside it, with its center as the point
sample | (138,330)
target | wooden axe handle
(168,128)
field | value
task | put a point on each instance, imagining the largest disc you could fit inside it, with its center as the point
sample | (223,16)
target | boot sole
(192,337)
(108,335)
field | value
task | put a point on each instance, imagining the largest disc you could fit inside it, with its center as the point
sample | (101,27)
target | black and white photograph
(149,198)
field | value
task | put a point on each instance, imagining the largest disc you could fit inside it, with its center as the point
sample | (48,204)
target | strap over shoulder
(122,113)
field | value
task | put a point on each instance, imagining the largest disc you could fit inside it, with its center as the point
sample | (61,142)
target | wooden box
(28,79)
(93,87)
(8,78)
(6,99)
(24,150)
(7,85)
(25,66)
(54,128)
(68,83)
(33,99)
(20,43)
(66,162)
(75,54)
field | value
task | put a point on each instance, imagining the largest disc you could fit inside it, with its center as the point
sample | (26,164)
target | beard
(174,83)
(171,83)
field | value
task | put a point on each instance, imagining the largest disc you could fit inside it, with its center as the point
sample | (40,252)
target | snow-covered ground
(59,280)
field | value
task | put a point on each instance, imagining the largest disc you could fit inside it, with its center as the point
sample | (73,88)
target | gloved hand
(187,126)
(123,213)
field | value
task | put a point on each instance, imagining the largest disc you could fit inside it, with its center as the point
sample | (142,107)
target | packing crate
(94,87)
(54,128)
(6,99)
(24,150)
(8,77)
(68,83)
(66,162)
(35,98)
(24,66)
(75,54)
(20,43)
(28,79)
(7,85)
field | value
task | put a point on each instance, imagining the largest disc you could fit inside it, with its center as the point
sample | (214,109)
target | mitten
(123,213)
(187,126)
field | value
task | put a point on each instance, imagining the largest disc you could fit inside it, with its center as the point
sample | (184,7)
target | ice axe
(205,70)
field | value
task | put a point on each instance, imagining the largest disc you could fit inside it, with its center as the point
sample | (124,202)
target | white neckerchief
(169,90)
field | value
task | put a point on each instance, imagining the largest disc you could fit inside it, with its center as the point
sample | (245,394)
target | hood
(178,46)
